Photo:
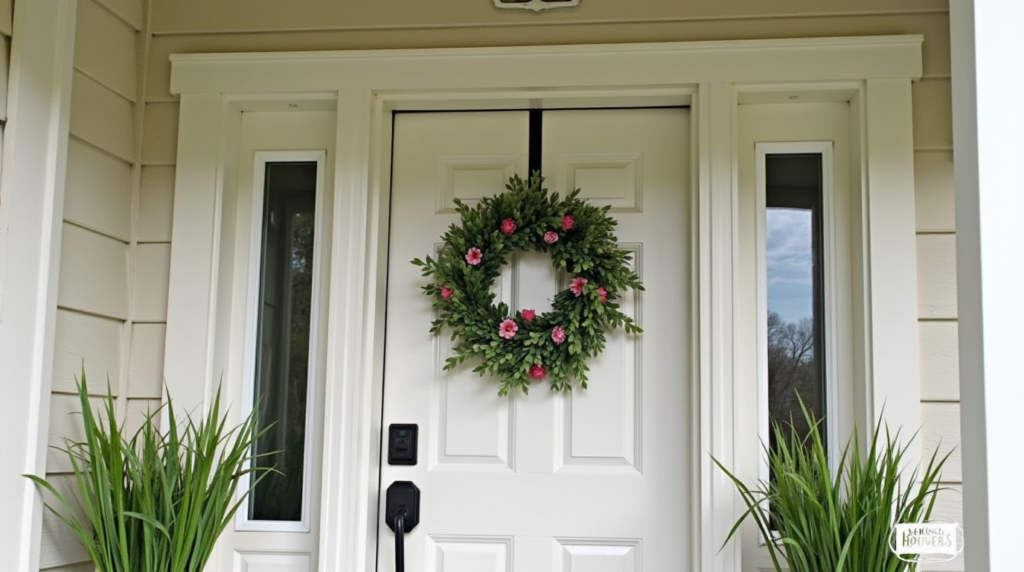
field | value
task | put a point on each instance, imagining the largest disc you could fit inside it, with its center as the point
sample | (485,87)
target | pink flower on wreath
(577,284)
(508,328)
(446,292)
(550,237)
(602,293)
(537,372)
(568,222)
(528,315)
(474,256)
(508,226)
(557,335)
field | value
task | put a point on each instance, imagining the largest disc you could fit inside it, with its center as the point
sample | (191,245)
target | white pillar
(988,129)
(31,211)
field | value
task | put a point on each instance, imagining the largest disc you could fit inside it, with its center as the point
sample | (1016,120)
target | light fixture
(535,5)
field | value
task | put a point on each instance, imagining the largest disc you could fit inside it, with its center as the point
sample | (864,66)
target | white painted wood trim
(814,59)
(888,194)
(31,210)
(369,85)
(717,199)
(988,147)
(195,239)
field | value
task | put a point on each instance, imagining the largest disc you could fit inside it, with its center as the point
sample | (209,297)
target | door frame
(874,74)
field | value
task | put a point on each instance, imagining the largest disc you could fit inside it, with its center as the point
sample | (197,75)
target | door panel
(592,480)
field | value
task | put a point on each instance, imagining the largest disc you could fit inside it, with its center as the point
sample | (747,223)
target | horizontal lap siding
(97,276)
(196,26)
(937,306)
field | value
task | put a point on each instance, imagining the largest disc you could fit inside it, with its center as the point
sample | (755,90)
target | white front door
(595,480)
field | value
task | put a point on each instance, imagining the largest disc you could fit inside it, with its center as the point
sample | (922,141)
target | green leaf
(153,501)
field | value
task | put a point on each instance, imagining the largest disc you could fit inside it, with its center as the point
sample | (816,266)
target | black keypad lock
(402,443)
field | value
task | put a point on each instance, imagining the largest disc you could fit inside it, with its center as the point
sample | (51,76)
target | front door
(595,480)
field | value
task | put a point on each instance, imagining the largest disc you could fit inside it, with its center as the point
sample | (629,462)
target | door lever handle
(400,541)
(401,514)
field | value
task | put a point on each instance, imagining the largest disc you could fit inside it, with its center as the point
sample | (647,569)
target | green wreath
(524,347)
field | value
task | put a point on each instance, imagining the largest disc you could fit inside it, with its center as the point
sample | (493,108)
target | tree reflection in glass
(282,362)
(794,277)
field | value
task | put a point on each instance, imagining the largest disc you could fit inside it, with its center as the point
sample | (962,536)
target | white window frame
(261,159)
(830,312)
(873,73)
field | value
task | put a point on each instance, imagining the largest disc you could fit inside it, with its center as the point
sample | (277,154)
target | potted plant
(817,522)
(154,501)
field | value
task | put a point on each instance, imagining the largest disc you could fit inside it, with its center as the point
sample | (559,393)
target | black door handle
(401,514)
(400,541)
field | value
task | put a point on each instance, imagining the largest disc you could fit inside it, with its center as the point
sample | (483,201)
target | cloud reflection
(790,263)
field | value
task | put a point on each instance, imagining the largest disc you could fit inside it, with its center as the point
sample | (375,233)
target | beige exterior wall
(106,298)
(112,303)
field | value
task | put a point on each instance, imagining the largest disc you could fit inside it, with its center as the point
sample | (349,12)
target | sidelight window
(795,317)
(282,363)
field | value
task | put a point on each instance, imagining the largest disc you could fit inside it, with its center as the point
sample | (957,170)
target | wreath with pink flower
(524,346)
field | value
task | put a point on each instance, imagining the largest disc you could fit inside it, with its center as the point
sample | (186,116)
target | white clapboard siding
(156,204)
(98,191)
(60,544)
(138,410)
(128,10)
(949,508)
(940,431)
(6,18)
(936,275)
(152,272)
(160,142)
(105,48)
(933,191)
(101,116)
(66,422)
(933,113)
(93,273)
(84,340)
(940,361)
(146,362)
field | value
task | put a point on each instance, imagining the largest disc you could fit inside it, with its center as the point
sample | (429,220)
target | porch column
(988,130)
(31,210)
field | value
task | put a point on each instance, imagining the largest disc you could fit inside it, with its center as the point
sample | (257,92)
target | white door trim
(874,74)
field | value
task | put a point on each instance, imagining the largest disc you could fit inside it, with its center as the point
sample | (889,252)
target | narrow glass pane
(282,347)
(795,357)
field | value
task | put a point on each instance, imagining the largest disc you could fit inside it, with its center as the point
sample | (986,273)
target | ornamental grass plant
(841,523)
(153,501)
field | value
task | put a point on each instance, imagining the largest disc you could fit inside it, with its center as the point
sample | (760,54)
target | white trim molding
(987,149)
(31,214)
(872,74)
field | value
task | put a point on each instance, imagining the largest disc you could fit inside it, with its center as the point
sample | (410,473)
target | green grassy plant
(154,501)
(825,523)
